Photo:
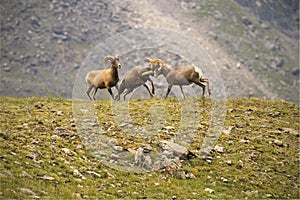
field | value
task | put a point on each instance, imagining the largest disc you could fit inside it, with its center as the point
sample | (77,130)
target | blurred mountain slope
(254,44)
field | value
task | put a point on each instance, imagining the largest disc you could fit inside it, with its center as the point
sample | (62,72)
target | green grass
(43,126)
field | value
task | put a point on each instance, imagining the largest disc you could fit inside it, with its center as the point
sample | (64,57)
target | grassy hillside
(43,157)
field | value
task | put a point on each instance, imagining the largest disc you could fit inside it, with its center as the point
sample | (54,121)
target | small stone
(225,180)
(219,149)
(174,197)
(59,113)
(229,162)
(28,191)
(227,130)
(190,175)
(77,195)
(278,143)
(175,148)
(168,128)
(25,174)
(67,151)
(244,141)
(38,105)
(209,190)
(180,174)
(147,148)
(76,173)
(95,174)
(118,148)
(48,178)
(31,156)
(114,156)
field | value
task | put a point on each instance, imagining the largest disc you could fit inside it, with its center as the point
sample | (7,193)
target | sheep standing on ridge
(181,76)
(137,77)
(106,78)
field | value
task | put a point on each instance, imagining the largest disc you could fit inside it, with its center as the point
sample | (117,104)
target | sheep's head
(114,61)
(158,67)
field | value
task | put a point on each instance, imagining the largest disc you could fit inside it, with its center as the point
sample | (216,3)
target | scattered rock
(180,174)
(95,174)
(290,131)
(77,196)
(174,148)
(190,175)
(252,193)
(268,195)
(168,128)
(227,130)
(48,178)
(68,151)
(4,135)
(38,105)
(59,113)
(77,174)
(246,21)
(147,148)
(30,192)
(244,141)
(211,191)
(296,72)
(219,149)
(118,148)
(229,162)
(278,143)
(225,180)
(25,174)
(31,155)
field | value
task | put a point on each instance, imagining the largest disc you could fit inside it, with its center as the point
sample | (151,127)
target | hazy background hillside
(254,44)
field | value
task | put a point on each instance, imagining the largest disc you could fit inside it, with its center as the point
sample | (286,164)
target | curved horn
(159,61)
(148,73)
(149,60)
(106,58)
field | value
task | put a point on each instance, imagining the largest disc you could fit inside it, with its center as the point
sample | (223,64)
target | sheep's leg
(207,82)
(88,92)
(111,93)
(121,89)
(127,92)
(94,94)
(168,91)
(117,87)
(151,95)
(182,91)
(152,85)
(203,87)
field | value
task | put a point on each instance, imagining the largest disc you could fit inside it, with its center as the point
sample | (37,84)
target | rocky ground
(254,45)
(44,153)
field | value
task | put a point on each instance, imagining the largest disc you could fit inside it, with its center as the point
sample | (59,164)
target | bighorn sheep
(137,77)
(181,76)
(106,78)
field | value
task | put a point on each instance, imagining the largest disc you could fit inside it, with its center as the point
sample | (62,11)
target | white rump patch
(199,71)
